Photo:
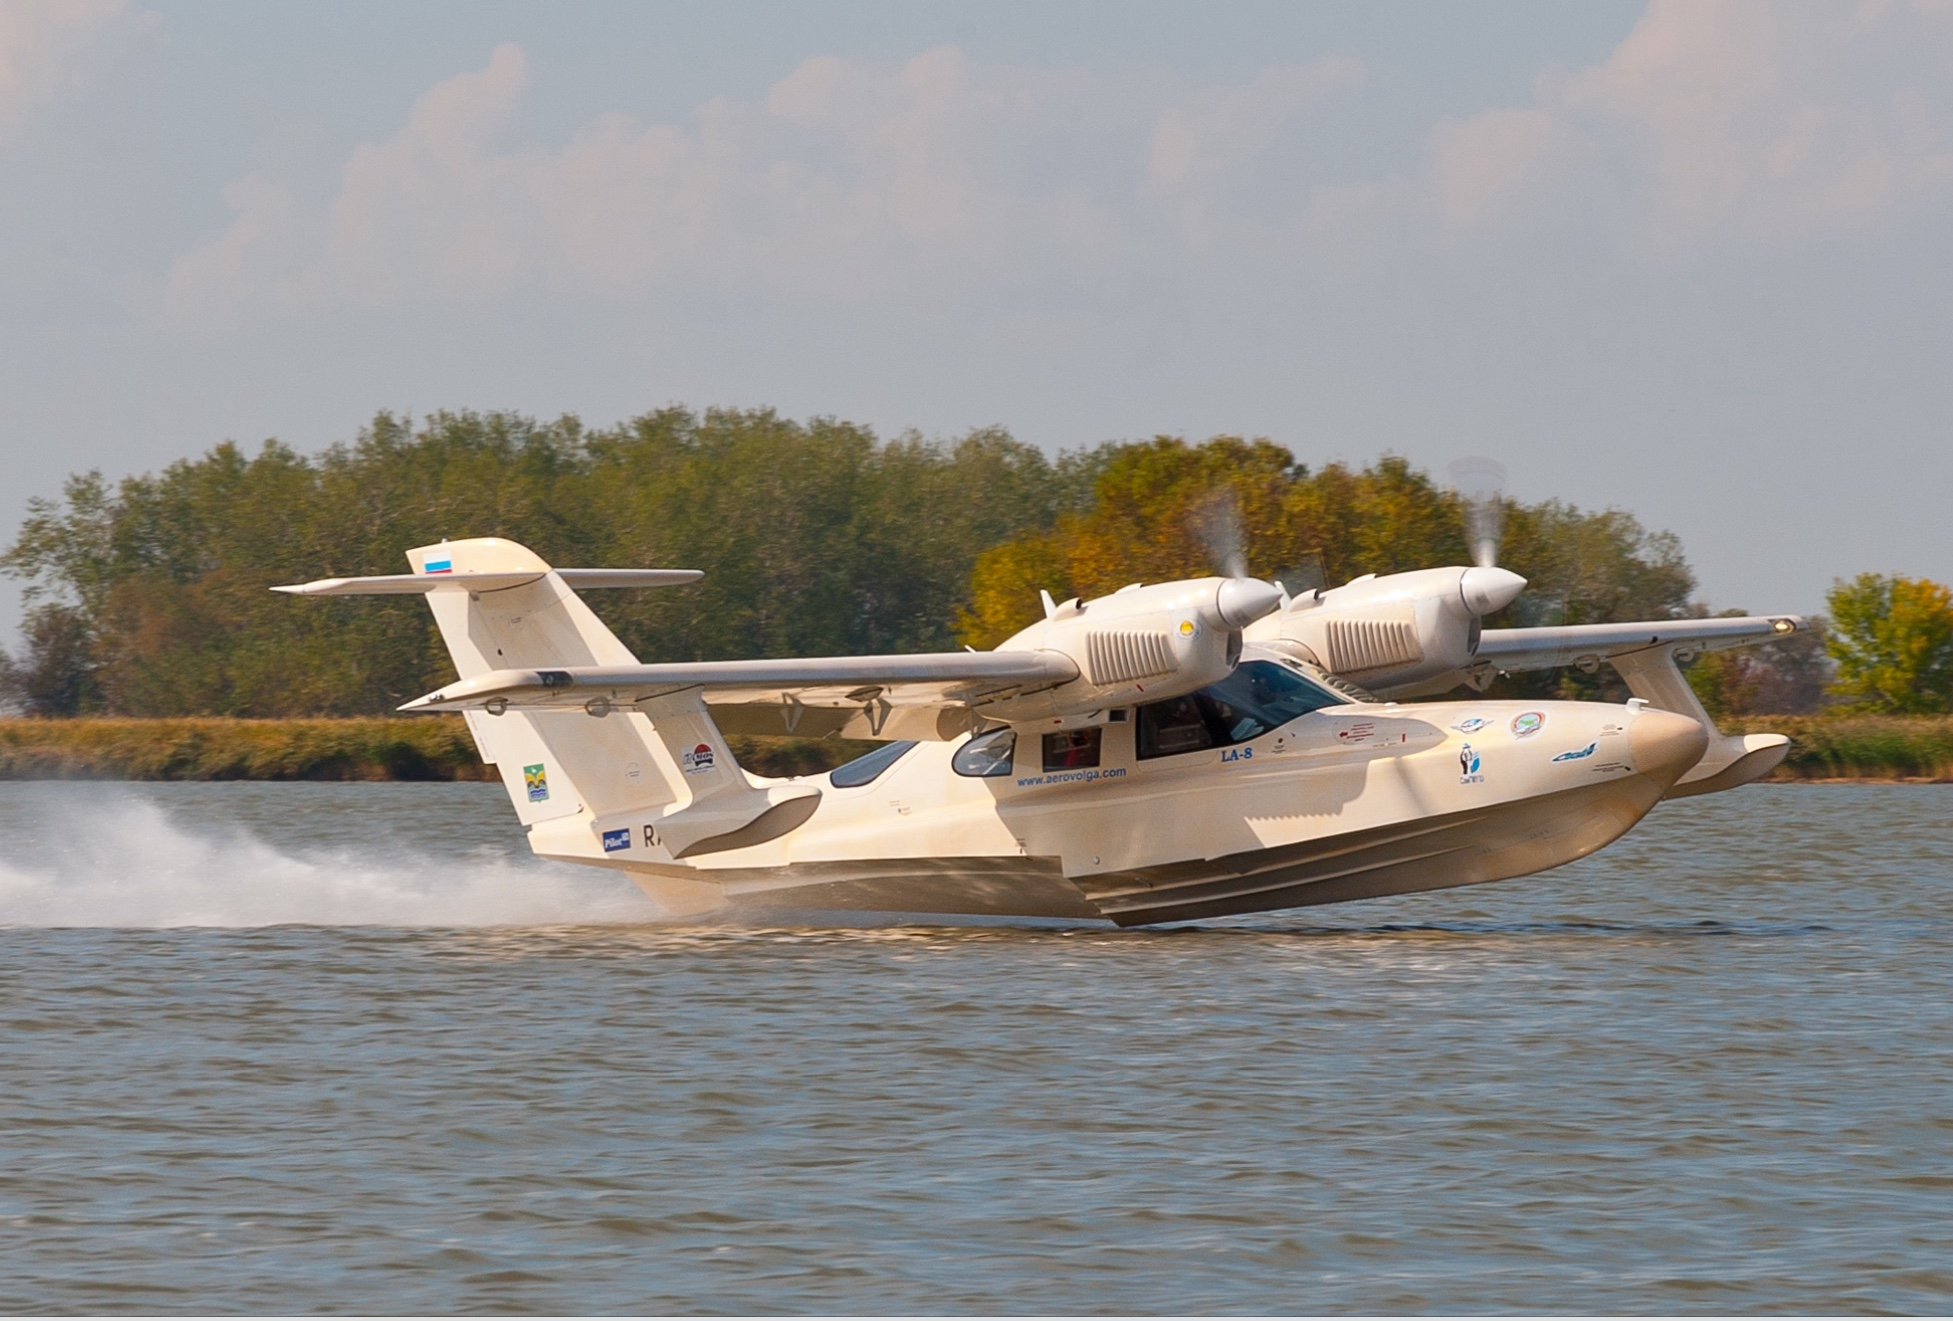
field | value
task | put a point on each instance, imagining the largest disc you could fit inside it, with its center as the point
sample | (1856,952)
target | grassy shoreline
(1824,748)
(1909,749)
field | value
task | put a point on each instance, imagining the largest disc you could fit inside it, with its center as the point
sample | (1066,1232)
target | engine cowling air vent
(1371,644)
(1123,657)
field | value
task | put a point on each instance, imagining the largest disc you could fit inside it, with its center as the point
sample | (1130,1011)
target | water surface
(315,1048)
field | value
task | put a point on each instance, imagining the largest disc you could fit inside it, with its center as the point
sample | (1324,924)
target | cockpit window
(986,754)
(867,769)
(1336,683)
(1257,697)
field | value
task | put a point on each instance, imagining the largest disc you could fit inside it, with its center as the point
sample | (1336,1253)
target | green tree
(56,674)
(816,538)
(1892,639)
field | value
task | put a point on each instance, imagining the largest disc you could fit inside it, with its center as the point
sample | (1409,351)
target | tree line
(148,596)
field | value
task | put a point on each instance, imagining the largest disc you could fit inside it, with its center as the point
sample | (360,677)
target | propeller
(1217,522)
(1480,483)
(1219,526)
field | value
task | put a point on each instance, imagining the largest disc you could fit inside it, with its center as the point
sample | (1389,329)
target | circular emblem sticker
(1528,723)
(1188,628)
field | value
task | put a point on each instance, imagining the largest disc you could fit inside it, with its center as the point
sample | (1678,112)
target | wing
(930,695)
(1588,644)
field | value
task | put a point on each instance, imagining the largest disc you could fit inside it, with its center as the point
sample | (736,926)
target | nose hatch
(1666,745)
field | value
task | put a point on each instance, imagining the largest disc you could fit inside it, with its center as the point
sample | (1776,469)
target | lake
(347,1048)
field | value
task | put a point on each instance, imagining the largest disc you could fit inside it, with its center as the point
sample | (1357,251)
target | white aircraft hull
(1304,815)
(1169,764)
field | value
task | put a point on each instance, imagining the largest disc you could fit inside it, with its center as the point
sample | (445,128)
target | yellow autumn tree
(1168,509)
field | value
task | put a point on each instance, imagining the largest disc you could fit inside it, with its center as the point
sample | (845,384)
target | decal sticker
(536,780)
(697,760)
(1237,754)
(1578,754)
(1357,732)
(1468,764)
(1528,723)
(1610,768)
(650,837)
(1188,628)
(617,839)
(440,566)
(1609,731)
(1471,725)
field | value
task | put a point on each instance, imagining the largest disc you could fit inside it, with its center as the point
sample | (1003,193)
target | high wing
(1587,644)
(928,695)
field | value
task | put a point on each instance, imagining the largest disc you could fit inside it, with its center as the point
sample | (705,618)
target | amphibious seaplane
(1171,751)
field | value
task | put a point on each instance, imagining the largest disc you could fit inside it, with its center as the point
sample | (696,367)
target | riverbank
(212,748)
(1906,748)
(1858,748)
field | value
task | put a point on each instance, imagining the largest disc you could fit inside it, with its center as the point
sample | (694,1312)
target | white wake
(134,867)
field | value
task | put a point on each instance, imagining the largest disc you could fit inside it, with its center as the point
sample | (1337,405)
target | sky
(1692,260)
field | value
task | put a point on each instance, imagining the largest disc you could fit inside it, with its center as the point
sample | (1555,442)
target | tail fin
(654,785)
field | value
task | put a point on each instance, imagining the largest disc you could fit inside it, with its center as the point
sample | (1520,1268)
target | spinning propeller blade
(1480,483)
(1217,522)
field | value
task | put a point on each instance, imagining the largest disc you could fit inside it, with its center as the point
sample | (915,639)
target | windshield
(1257,697)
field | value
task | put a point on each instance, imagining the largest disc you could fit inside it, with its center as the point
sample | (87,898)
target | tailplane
(652,785)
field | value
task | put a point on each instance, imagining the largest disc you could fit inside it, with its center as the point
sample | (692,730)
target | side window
(1070,749)
(1172,726)
(986,755)
(866,770)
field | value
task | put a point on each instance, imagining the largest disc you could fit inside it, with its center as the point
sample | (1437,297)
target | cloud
(41,46)
(863,179)
(846,177)
(1203,149)
(1719,117)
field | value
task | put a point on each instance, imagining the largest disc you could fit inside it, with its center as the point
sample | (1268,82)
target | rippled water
(316,1048)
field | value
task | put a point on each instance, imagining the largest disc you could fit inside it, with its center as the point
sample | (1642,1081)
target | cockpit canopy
(1257,697)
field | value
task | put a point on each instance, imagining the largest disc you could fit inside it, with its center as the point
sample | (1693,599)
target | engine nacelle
(1140,644)
(1402,634)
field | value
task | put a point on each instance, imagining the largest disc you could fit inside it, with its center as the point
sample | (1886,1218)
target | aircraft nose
(1666,745)
(1241,601)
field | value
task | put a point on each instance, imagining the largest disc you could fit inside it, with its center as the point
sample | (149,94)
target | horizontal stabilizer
(414,584)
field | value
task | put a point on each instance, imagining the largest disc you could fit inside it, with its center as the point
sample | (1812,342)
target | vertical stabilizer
(654,784)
